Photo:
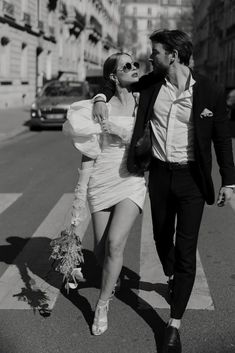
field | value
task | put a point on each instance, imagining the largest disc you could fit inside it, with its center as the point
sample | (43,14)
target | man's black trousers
(177,206)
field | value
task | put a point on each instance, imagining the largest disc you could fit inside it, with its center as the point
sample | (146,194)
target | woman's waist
(113,149)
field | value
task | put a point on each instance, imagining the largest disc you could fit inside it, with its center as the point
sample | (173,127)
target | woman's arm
(111,128)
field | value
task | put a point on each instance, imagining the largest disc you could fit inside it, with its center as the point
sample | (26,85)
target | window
(149,25)
(24,6)
(186,2)
(5,59)
(24,61)
(149,11)
(134,24)
(39,11)
(49,65)
(172,2)
(50,19)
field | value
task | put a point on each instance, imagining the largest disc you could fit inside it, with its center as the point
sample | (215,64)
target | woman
(115,196)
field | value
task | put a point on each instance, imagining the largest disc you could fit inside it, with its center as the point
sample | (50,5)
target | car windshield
(68,89)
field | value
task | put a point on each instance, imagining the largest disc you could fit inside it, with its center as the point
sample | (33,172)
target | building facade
(139,18)
(214,40)
(40,39)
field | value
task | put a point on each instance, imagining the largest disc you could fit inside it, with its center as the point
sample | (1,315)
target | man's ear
(174,56)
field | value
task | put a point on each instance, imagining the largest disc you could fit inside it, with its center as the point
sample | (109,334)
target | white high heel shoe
(100,323)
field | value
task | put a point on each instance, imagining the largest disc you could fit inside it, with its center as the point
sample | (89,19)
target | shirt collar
(191,82)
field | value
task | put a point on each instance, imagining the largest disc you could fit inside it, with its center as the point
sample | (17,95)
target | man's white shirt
(172,124)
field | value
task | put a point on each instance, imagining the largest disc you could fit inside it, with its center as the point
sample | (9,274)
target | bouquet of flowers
(67,252)
(67,248)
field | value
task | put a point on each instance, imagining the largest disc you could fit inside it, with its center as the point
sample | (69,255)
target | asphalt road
(38,172)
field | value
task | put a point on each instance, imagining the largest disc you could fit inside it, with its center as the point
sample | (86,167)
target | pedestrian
(186,112)
(115,196)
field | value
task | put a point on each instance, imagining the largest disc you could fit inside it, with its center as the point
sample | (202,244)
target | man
(187,112)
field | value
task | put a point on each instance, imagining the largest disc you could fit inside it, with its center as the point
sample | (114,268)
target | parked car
(51,105)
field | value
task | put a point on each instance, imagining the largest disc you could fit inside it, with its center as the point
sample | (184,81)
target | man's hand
(100,111)
(224,196)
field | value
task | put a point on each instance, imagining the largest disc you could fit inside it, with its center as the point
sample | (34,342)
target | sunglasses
(128,67)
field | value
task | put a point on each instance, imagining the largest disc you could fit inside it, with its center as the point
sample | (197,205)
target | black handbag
(143,149)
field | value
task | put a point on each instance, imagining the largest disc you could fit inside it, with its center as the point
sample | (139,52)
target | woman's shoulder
(88,103)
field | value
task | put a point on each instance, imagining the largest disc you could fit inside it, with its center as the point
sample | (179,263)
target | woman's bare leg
(122,220)
(101,222)
(124,215)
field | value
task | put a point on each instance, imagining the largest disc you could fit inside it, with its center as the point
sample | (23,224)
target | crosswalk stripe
(6,200)
(232,202)
(29,282)
(153,281)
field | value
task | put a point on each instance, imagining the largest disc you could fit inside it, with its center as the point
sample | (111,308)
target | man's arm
(108,88)
(100,111)
(223,148)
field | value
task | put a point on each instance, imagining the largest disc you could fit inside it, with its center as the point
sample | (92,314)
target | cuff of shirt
(99,95)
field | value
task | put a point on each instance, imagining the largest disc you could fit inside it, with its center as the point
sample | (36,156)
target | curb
(8,135)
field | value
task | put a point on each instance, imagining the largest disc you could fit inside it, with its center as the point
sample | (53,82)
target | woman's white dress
(110,182)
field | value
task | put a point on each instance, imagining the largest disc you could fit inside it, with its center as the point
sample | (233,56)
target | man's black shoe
(171,342)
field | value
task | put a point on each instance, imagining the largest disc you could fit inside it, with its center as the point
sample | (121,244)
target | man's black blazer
(206,95)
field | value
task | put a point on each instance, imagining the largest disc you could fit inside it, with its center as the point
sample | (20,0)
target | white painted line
(152,279)
(28,283)
(6,200)
(232,202)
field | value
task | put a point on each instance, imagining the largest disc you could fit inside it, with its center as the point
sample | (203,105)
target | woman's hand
(107,126)
(100,111)
(111,128)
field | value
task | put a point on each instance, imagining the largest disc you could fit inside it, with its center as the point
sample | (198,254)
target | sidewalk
(13,121)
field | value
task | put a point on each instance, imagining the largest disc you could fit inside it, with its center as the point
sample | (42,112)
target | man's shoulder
(207,82)
(149,79)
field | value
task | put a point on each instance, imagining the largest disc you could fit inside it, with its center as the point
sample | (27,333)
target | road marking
(29,283)
(6,200)
(152,279)
(232,202)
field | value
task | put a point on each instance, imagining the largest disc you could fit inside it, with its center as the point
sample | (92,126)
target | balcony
(96,30)
(8,9)
(27,19)
(108,42)
(96,26)
(75,20)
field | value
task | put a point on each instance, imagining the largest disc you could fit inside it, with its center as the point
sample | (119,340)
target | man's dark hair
(174,40)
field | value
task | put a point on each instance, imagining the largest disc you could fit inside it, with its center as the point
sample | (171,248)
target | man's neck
(179,76)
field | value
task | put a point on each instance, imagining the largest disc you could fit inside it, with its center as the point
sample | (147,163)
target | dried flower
(67,252)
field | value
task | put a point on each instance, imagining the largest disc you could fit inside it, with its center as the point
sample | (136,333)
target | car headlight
(35,110)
